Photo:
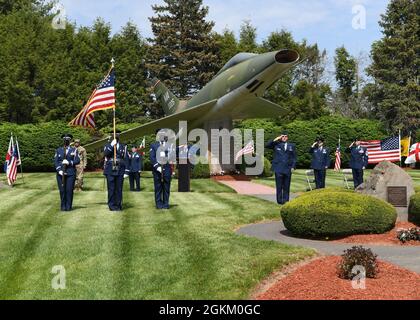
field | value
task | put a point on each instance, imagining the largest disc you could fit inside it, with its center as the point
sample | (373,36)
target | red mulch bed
(389,238)
(318,280)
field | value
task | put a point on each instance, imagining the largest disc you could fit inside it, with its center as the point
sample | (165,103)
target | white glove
(65,162)
(61,173)
(364,168)
(159,169)
(125,176)
(114,143)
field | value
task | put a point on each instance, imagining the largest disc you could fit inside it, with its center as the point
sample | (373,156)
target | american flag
(387,149)
(337,166)
(102,98)
(249,149)
(11,164)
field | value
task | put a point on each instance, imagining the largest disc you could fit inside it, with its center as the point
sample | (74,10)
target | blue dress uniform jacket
(66,186)
(284,161)
(135,161)
(359,159)
(159,157)
(320,158)
(115,179)
(284,156)
(122,157)
(320,162)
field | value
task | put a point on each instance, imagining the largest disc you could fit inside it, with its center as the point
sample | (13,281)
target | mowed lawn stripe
(13,200)
(20,254)
(187,252)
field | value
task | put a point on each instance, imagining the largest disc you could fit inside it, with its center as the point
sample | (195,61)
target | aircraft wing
(170,122)
(257,108)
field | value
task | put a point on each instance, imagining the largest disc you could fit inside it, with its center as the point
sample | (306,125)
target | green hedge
(414,209)
(303,133)
(38,143)
(337,213)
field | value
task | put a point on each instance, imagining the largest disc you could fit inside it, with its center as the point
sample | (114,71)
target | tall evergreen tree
(345,72)
(395,68)
(183,51)
(129,50)
(227,45)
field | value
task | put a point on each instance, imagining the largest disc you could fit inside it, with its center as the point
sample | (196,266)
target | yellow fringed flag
(405,146)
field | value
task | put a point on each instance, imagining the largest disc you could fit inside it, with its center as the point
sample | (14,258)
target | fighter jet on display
(234,93)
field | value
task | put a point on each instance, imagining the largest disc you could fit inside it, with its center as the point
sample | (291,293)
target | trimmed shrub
(414,209)
(358,256)
(335,214)
(327,190)
(417,189)
(406,235)
(267,173)
(200,171)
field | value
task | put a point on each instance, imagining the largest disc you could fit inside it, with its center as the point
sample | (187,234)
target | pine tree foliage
(395,68)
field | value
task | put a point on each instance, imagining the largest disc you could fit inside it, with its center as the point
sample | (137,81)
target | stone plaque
(397,196)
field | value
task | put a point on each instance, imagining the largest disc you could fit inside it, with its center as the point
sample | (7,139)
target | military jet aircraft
(234,93)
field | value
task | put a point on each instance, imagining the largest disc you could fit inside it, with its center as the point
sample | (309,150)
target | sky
(330,23)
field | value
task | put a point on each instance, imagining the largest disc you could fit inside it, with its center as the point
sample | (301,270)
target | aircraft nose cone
(287,56)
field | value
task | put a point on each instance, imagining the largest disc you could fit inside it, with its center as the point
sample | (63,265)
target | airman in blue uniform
(65,160)
(284,163)
(135,160)
(115,172)
(320,162)
(161,154)
(359,160)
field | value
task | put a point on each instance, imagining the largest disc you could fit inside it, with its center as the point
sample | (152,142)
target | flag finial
(113,62)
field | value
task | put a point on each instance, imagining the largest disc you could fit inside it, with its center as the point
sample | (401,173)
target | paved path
(406,257)
(250,188)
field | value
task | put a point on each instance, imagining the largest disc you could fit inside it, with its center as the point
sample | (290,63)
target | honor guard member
(359,160)
(66,159)
(284,163)
(161,153)
(80,168)
(135,160)
(115,171)
(320,162)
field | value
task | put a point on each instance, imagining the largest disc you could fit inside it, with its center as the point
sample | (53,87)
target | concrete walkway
(406,257)
(250,188)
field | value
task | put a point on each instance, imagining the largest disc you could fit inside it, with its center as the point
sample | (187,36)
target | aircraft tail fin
(168,100)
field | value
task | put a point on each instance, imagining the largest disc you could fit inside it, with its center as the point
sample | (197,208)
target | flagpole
(13,151)
(399,135)
(7,168)
(20,160)
(114,120)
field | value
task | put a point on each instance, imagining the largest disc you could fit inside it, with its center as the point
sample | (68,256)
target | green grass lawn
(188,252)
(334,179)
